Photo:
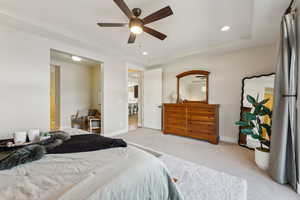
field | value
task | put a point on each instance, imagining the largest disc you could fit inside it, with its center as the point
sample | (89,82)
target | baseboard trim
(228,139)
(115,133)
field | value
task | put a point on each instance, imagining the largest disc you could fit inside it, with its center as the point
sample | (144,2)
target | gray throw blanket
(60,142)
(12,157)
(21,156)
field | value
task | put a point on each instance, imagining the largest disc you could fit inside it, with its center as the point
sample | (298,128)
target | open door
(153,99)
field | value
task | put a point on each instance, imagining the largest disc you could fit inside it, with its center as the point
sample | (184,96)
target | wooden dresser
(195,120)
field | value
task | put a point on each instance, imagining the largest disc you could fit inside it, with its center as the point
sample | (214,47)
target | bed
(113,174)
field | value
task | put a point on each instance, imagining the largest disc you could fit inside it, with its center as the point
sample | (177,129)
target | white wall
(115,97)
(25,83)
(225,82)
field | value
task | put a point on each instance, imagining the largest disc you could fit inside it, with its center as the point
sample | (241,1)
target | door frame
(57,97)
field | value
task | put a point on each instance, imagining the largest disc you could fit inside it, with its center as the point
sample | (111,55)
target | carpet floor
(197,182)
(225,157)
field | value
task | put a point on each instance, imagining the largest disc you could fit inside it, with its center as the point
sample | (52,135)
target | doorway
(76,92)
(134,99)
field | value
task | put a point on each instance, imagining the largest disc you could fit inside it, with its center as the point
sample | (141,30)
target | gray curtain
(284,163)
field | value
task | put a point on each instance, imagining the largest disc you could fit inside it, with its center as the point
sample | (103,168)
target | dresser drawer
(175,130)
(203,118)
(200,129)
(176,122)
(202,111)
(175,108)
(193,114)
(193,120)
(175,114)
(202,125)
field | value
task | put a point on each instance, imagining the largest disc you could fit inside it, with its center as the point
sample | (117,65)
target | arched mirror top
(193,72)
(192,86)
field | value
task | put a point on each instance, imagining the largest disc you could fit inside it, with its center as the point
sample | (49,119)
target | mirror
(192,86)
(261,87)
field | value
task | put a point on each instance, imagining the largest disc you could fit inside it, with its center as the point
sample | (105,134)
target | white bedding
(113,174)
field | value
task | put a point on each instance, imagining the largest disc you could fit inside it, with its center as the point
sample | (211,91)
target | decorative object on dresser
(192,116)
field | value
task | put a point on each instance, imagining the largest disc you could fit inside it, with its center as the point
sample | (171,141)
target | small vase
(262,158)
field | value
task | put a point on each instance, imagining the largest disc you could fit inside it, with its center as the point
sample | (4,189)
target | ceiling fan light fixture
(136,26)
(136,30)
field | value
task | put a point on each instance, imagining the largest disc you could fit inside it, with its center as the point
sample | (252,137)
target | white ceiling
(67,57)
(194,27)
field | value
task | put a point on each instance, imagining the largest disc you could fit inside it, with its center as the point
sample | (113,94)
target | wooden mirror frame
(193,72)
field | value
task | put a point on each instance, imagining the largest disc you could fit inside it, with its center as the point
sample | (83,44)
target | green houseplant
(253,125)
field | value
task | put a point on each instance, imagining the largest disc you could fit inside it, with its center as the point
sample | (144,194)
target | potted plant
(253,125)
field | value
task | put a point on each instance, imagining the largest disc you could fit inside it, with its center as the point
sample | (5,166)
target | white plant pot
(262,159)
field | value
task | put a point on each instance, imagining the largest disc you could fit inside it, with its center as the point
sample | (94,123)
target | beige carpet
(225,157)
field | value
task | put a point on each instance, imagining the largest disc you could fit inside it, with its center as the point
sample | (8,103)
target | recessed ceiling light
(145,53)
(225,28)
(76,58)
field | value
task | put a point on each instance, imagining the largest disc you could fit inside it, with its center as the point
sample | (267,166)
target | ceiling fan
(136,24)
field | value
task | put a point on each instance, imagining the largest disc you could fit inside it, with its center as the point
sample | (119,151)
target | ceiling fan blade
(131,38)
(112,24)
(154,33)
(122,5)
(162,13)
